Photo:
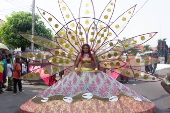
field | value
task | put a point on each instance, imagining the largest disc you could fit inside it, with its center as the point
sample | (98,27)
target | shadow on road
(161,110)
(161,97)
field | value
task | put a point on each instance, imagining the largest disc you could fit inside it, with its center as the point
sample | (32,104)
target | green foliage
(134,50)
(147,48)
(164,39)
(21,22)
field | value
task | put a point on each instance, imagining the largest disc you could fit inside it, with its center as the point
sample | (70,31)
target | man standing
(166,54)
(155,56)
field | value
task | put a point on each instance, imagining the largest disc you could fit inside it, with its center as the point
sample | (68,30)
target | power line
(14,3)
(22,1)
(13,8)
(11,3)
(5,13)
(19,7)
(10,12)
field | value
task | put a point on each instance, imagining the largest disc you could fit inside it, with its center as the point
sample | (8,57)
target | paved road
(151,90)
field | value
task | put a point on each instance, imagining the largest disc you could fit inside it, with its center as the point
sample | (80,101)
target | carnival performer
(88,89)
(87,59)
(82,48)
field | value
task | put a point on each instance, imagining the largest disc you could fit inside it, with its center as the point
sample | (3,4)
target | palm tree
(164,39)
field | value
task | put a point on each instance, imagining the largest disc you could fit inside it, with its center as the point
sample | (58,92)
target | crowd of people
(11,70)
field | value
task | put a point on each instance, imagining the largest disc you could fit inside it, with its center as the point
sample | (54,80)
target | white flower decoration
(87,95)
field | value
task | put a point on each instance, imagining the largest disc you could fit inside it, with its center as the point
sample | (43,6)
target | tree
(147,48)
(21,22)
(134,50)
(164,39)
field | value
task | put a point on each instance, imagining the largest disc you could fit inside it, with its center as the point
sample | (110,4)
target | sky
(153,17)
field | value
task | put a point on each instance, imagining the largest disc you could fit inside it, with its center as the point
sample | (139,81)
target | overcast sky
(153,17)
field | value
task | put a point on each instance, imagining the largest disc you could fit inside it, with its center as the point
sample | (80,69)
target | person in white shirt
(24,68)
(9,74)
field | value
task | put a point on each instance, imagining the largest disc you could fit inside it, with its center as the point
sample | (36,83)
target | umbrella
(2,46)
(148,52)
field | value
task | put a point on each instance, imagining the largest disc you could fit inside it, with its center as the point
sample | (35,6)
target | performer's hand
(95,72)
(78,72)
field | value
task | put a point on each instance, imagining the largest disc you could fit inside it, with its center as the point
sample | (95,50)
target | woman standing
(16,76)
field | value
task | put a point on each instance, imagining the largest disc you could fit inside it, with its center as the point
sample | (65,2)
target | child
(16,76)
(9,74)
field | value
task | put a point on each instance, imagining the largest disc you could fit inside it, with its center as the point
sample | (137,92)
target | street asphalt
(151,90)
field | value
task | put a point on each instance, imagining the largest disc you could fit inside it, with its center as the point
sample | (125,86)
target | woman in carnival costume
(86,89)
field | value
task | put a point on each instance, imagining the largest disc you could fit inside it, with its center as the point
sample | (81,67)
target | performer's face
(85,49)
(17,60)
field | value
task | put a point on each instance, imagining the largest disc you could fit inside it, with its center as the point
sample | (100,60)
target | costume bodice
(86,59)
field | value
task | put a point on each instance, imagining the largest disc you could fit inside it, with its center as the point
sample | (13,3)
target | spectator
(166,54)
(4,54)
(168,59)
(16,76)
(146,60)
(155,55)
(9,74)
(4,71)
(11,58)
(24,66)
(61,73)
(1,74)
(150,62)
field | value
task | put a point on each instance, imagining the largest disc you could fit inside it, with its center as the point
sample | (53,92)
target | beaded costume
(88,93)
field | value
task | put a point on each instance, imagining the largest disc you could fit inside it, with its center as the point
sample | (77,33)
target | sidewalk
(162,70)
(11,104)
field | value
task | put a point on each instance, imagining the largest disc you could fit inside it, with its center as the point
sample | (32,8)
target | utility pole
(33,26)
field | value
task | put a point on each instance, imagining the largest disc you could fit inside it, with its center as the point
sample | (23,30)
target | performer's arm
(95,62)
(77,62)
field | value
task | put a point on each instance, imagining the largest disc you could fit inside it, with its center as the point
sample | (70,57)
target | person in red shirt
(17,75)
